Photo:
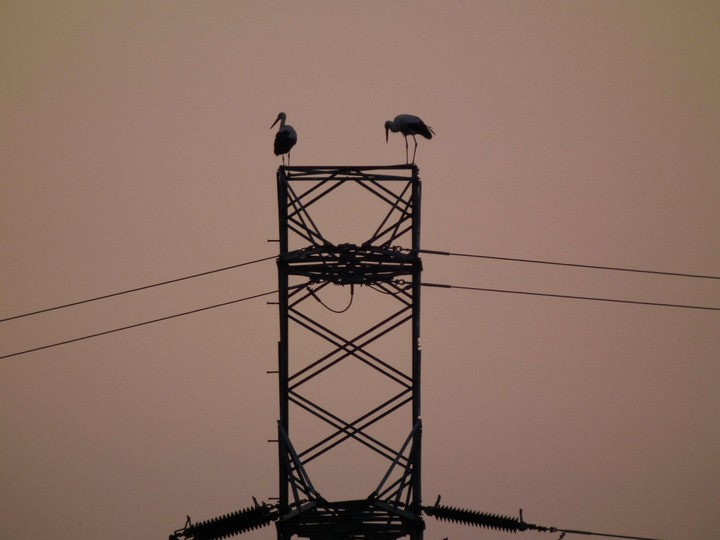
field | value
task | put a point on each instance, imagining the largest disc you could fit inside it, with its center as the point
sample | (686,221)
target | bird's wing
(420,128)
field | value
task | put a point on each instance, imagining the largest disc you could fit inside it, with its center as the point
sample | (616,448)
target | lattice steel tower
(383,266)
(349,377)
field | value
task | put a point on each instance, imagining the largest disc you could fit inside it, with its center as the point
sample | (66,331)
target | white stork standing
(407,124)
(285,138)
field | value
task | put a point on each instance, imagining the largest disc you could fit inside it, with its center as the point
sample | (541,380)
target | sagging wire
(316,297)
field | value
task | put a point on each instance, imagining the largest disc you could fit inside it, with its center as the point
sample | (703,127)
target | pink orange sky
(136,148)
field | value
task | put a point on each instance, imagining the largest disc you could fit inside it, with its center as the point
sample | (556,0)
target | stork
(407,124)
(285,138)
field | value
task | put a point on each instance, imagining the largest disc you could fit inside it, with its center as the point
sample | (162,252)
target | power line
(138,324)
(136,289)
(571,297)
(588,533)
(595,267)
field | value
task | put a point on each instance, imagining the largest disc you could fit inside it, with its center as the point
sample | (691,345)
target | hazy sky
(136,148)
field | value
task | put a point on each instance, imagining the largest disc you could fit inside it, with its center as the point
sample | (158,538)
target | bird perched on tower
(285,138)
(408,124)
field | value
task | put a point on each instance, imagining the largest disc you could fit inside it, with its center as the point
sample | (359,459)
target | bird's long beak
(387,135)
(275,122)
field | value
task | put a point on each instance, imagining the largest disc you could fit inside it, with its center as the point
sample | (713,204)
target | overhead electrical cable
(136,289)
(507,523)
(594,267)
(597,299)
(588,533)
(143,323)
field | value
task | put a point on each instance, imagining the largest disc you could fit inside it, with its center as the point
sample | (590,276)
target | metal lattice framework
(384,264)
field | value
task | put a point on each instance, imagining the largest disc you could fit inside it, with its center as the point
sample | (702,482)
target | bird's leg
(288,158)
(415,149)
(406,149)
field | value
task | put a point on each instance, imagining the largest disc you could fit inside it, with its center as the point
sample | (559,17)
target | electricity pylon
(384,264)
(349,378)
